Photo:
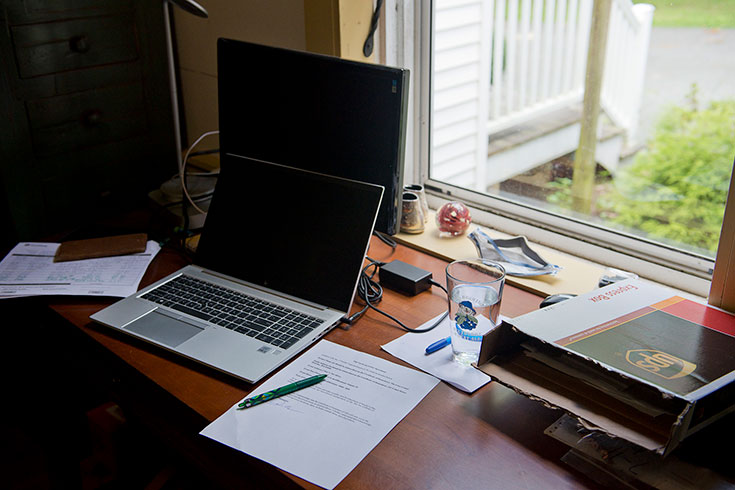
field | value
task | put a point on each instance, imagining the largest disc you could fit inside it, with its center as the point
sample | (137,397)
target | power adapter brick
(404,278)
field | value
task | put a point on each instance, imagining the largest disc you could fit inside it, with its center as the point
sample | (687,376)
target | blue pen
(439,344)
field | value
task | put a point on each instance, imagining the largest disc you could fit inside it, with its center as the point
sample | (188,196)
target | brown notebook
(101,247)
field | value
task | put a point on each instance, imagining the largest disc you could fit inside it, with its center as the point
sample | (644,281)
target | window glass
(616,114)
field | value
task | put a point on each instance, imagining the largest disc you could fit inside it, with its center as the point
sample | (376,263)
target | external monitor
(318,112)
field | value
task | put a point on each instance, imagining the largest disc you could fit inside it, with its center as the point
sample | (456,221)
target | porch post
(583,178)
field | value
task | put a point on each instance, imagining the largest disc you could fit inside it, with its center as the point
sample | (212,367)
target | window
(506,90)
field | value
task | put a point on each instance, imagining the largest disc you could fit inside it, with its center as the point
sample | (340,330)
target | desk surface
(492,438)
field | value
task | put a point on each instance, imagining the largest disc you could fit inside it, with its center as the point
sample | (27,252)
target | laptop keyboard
(254,317)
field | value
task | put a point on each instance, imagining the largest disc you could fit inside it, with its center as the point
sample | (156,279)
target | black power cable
(371,292)
(367,48)
(385,239)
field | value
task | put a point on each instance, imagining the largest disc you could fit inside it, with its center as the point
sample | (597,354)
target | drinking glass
(475,290)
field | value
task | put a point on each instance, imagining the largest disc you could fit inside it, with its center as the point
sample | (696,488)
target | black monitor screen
(317,112)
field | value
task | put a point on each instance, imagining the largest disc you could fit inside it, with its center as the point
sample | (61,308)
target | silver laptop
(276,267)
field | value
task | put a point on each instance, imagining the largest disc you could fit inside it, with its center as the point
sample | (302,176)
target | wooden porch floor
(540,126)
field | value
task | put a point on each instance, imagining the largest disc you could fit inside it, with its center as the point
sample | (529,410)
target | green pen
(283,390)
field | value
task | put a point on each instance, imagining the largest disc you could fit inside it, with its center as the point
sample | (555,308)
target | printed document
(321,433)
(29,270)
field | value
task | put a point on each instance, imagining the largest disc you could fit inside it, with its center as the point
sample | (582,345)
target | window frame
(408,44)
(722,292)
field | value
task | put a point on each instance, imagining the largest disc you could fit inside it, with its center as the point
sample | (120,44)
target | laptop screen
(290,230)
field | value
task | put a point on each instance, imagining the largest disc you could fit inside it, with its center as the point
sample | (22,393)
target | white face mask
(513,253)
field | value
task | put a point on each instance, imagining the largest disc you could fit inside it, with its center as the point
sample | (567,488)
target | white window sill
(578,275)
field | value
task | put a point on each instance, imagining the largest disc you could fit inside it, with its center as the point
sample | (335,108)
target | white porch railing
(500,63)
(543,65)
(625,64)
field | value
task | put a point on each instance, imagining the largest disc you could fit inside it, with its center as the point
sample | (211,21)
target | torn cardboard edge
(603,400)
(93,248)
(601,458)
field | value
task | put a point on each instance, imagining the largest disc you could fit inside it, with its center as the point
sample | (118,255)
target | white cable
(182,169)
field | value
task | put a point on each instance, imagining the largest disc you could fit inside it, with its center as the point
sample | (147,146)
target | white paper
(411,348)
(29,270)
(322,432)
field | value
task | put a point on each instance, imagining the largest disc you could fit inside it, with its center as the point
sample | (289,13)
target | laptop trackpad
(163,328)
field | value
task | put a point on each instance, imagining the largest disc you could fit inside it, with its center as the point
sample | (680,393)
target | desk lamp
(163,194)
(193,8)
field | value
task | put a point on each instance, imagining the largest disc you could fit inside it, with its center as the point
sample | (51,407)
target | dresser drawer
(65,45)
(72,122)
(86,104)
(32,11)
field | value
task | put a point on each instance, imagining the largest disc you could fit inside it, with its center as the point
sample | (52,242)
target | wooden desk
(451,439)
(490,439)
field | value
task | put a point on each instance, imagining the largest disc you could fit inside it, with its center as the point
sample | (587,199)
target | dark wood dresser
(85,111)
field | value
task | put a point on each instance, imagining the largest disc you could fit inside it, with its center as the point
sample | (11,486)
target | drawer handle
(79,44)
(92,117)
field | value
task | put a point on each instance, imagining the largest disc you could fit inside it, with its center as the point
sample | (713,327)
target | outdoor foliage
(677,188)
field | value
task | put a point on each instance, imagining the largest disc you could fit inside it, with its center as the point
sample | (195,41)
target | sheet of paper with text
(322,432)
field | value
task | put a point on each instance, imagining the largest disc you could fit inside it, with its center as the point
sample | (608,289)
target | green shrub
(676,189)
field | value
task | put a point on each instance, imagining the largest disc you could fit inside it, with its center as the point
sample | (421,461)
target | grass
(693,13)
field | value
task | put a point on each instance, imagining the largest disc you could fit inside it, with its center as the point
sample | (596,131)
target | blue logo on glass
(465,317)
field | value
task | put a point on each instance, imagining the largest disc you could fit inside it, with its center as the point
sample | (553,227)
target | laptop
(276,267)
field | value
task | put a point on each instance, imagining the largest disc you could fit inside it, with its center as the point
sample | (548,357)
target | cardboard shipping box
(632,360)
